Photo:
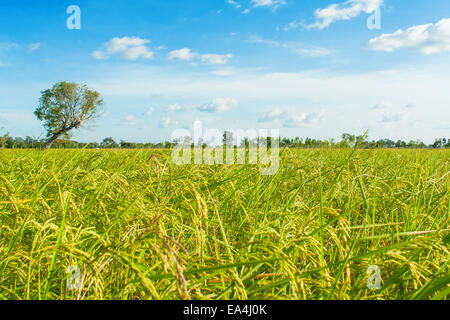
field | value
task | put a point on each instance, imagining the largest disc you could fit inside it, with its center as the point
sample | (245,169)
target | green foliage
(140,227)
(67,106)
(109,143)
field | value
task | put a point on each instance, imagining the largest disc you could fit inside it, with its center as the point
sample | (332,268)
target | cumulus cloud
(275,114)
(218,105)
(427,38)
(187,54)
(343,11)
(176,108)
(130,48)
(309,119)
(292,119)
(130,120)
(182,54)
(167,122)
(34,46)
(216,58)
(100,55)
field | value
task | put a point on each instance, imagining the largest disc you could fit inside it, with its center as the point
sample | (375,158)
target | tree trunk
(50,141)
(59,133)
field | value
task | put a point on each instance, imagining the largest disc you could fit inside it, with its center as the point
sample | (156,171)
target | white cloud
(314,52)
(291,25)
(130,120)
(34,46)
(130,48)
(187,54)
(393,117)
(182,54)
(343,11)
(99,55)
(268,3)
(275,114)
(135,53)
(176,108)
(427,38)
(297,121)
(216,58)
(150,111)
(218,105)
(234,3)
(167,122)
(292,119)
(273,4)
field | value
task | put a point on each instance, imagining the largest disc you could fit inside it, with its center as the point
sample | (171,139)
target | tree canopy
(66,106)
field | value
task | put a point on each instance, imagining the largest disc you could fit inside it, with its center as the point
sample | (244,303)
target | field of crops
(140,227)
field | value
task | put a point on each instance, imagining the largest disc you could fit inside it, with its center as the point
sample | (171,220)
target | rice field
(136,226)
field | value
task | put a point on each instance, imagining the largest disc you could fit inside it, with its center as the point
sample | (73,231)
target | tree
(349,138)
(66,106)
(3,140)
(441,143)
(109,143)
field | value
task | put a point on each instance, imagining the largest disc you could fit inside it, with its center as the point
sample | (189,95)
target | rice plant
(139,227)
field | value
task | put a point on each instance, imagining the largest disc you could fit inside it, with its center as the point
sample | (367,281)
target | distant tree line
(347,141)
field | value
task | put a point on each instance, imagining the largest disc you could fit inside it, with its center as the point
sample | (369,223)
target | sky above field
(309,68)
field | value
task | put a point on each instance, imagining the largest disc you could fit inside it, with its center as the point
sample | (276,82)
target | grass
(148,229)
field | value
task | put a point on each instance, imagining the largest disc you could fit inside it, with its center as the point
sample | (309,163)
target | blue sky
(308,68)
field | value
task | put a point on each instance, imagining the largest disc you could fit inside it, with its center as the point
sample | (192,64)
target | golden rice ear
(154,158)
